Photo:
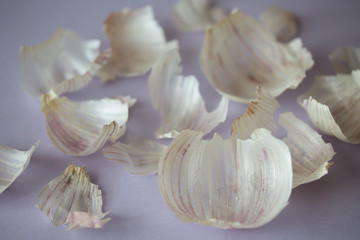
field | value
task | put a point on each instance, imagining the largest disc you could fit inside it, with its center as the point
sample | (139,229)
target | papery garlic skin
(13,163)
(226,185)
(72,199)
(82,128)
(238,55)
(136,41)
(178,99)
(346,59)
(63,63)
(333,105)
(195,15)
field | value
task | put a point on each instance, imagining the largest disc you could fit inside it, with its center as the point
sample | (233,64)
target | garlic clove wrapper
(126,99)
(136,41)
(281,23)
(190,15)
(72,199)
(140,156)
(238,55)
(226,185)
(63,63)
(310,154)
(82,128)
(178,99)
(13,163)
(346,59)
(333,105)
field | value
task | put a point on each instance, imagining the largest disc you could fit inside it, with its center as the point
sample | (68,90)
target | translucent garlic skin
(346,59)
(225,185)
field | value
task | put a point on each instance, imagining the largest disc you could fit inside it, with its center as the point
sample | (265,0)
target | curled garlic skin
(63,63)
(346,59)
(333,105)
(238,55)
(225,185)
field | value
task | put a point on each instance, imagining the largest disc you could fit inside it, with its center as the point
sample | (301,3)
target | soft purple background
(325,209)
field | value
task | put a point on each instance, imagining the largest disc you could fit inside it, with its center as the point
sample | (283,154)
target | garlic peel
(346,59)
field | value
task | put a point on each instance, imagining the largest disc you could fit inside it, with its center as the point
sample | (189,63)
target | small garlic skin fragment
(63,63)
(310,154)
(140,156)
(178,99)
(238,55)
(13,163)
(333,105)
(346,59)
(195,15)
(281,23)
(126,99)
(225,185)
(136,41)
(82,128)
(72,199)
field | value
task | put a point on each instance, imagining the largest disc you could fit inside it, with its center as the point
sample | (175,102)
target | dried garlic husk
(63,63)
(126,99)
(82,128)
(333,105)
(13,163)
(310,154)
(239,54)
(136,40)
(195,15)
(178,99)
(281,23)
(346,59)
(73,200)
(140,156)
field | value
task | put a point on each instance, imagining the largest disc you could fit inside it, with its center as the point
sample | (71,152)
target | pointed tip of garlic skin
(345,59)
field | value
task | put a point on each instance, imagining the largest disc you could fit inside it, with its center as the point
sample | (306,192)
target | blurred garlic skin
(333,105)
(73,200)
(225,185)
(136,41)
(238,55)
(82,128)
(195,15)
(281,23)
(346,59)
(63,63)
(13,163)
(178,99)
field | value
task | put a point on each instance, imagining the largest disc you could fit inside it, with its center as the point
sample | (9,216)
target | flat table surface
(325,209)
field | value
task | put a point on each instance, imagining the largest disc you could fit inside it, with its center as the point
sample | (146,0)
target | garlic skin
(281,23)
(333,105)
(13,163)
(195,15)
(238,55)
(225,185)
(73,200)
(346,59)
(82,128)
(178,99)
(136,41)
(63,63)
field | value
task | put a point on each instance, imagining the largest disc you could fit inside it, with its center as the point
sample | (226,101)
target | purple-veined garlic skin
(136,41)
(238,55)
(72,199)
(225,185)
(63,63)
(178,99)
(346,59)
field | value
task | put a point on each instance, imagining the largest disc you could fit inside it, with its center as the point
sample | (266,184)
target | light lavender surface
(325,209)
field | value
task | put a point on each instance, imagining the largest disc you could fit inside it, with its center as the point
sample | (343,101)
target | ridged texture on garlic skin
(82,128)
(190,15)
(63,63)
(178,99)
(73,200)
(333,105)
(13,163)
(346,59)
(217,183)
(139,156)
(281,23)
(309,153)
(238,55)
(136,41)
